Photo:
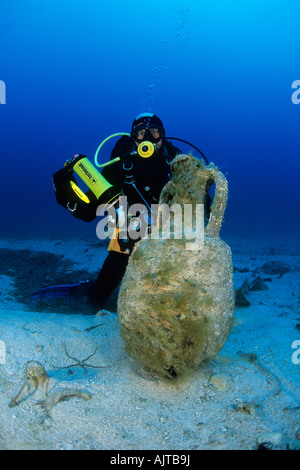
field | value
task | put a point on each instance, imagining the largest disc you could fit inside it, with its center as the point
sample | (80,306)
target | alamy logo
(2,92)
(160,221)
(296,354)
(2,352)
(296,95)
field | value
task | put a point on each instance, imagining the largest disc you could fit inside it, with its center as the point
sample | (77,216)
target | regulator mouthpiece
(146,149)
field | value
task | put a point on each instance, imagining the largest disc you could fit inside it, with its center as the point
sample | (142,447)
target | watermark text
(296,95)
(296,354)
(2,352)
(2,92)
(158,222)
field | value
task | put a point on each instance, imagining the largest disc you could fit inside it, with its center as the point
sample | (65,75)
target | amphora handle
(219,203)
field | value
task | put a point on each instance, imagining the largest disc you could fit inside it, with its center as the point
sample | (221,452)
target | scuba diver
(139,168)
(141,180)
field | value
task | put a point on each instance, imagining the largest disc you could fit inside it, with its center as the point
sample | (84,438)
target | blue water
(219,74)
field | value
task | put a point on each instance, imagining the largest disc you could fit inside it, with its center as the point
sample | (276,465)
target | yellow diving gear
(90,176)
(79,193)
(82,205)
(146,149)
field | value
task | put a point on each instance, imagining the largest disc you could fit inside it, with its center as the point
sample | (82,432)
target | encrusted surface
(175,305)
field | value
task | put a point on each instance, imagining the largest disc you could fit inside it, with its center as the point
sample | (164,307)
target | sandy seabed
(247,398)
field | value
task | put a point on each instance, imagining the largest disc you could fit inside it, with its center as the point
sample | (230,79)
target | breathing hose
(126,133)
(102,143)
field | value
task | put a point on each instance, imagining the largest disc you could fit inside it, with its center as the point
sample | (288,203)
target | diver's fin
(69,291)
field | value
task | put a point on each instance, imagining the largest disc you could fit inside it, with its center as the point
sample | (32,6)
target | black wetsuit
(149,176)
